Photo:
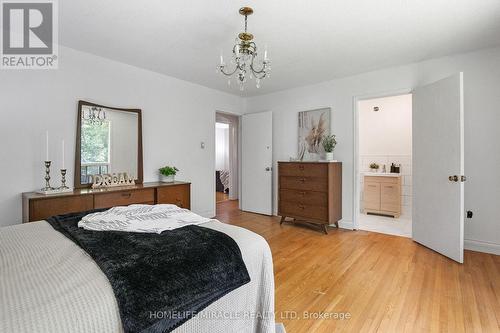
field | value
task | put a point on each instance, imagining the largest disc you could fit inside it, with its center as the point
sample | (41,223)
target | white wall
(387,131)
(385,138)
(177,116)
(482,116)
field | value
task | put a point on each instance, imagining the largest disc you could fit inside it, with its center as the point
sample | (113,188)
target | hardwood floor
(220,197)
(384,283)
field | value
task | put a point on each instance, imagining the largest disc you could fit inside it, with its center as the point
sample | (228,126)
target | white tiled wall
(406,190)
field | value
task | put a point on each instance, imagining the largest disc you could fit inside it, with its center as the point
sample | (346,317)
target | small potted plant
(374,167)
(167,174)
(329,144)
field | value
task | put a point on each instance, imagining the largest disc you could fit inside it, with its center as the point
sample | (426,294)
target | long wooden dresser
(38,206)
(310,192)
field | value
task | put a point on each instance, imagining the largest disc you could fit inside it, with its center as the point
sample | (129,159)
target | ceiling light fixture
(244,58)
(94,115)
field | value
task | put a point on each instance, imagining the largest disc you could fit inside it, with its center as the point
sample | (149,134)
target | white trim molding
(482,246)
(344,224)
(208,214)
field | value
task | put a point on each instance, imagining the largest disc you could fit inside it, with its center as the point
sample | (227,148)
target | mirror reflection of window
(95,149)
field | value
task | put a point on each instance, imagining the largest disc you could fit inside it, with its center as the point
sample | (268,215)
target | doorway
(384,165)
(226,157)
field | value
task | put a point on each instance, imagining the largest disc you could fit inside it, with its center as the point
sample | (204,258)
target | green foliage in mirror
(95,142)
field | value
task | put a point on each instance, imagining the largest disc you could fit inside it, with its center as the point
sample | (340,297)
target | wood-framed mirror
(108,140)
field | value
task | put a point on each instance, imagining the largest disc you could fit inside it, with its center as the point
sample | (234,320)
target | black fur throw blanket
(161,280)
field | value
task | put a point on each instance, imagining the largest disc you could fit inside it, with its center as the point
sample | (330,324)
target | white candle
(63,154)
(221,58)
(265,53)
(47,145)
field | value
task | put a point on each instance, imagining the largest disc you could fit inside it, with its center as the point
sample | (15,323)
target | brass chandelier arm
(262,70)
(259,74)
(228,73)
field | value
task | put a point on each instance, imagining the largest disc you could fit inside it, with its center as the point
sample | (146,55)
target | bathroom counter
(382,174)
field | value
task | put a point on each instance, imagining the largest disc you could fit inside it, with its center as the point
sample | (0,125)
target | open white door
(256,163)
(438,166)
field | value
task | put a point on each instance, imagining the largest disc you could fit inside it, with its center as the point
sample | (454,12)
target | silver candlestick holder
(63,180)
(47,177)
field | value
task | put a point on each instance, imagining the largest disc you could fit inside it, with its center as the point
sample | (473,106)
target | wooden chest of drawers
(310,192)
(38,206)
(382,195)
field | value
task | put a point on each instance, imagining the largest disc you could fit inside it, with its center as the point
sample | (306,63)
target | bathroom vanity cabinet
(382,194)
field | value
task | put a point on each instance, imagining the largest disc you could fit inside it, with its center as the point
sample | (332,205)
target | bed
(49,284)
(222,181)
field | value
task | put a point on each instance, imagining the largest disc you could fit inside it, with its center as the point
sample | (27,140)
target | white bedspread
(141,218)
(49,284)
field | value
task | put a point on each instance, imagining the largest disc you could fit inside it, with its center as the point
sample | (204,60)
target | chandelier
(94,115)
(244,58)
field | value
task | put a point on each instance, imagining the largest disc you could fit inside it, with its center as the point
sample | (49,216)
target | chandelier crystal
(94,115)
(244,58)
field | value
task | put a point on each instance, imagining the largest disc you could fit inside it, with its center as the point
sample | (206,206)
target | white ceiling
(308,41)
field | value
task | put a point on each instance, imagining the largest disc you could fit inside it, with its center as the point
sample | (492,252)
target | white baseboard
(345,224)
(481,246)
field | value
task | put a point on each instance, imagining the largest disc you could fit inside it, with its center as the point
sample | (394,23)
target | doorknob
(455,178)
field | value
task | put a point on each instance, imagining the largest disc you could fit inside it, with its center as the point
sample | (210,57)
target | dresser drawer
(304,183)
(44,208)
(304,211)
(303,170)
(124,198)
(179,195)
(304,197)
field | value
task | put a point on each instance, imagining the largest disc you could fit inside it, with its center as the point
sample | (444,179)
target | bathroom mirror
(109,140)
